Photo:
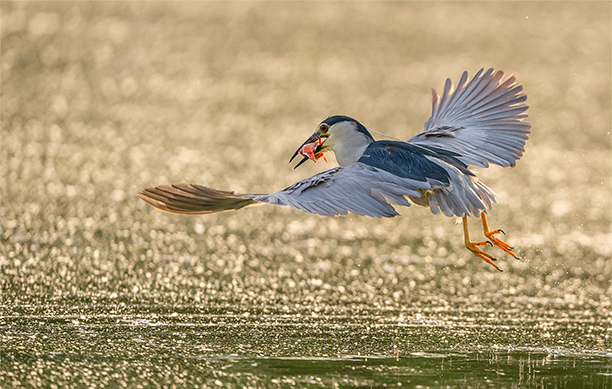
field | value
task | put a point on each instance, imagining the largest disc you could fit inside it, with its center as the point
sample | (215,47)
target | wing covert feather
(357,188)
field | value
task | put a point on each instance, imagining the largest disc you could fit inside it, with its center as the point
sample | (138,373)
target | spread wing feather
(191,199)
(481,120)
(358,188)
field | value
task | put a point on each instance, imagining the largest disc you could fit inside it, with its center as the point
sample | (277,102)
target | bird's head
(343,135)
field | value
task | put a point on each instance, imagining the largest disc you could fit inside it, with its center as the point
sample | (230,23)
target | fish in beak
(311,149)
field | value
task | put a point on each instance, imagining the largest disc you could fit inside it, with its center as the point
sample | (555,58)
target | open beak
(311,149)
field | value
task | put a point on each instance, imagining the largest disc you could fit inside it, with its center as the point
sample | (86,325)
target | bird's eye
(324,127)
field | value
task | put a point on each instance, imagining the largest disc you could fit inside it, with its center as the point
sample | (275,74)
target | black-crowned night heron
(477,123)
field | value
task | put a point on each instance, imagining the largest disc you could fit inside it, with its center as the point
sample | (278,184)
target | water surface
(102,99)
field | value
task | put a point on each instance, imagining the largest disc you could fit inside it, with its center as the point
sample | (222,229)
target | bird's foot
(477,251)
(496,241)
(500,243)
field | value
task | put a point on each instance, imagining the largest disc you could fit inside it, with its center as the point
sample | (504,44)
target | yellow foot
(477,251)
(494,240)
(500,243)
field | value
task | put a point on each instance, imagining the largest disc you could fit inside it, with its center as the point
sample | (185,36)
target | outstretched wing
(357,188)
(480,120)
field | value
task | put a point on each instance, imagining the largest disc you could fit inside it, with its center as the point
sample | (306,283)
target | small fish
(310,150)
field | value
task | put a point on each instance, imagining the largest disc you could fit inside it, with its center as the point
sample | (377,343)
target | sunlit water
(103,99)
(359,346)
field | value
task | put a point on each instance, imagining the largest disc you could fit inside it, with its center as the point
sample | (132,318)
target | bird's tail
(468,197)
(191,199)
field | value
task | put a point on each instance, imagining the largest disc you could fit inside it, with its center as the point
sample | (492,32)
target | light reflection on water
(254,349)
(514,369)
(419,370)
(102,99)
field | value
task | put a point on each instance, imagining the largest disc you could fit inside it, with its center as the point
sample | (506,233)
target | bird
(473,124)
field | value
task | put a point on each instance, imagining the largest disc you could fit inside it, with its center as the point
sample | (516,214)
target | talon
(491,235)
(488,258)
(489,243)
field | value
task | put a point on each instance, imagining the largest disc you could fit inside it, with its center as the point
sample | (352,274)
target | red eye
(324,127)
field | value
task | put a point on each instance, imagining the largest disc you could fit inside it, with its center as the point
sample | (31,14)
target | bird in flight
(477,123)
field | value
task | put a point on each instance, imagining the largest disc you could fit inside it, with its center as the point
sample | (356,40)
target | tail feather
(191,199)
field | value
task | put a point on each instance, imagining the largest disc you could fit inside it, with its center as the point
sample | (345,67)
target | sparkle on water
(100,100)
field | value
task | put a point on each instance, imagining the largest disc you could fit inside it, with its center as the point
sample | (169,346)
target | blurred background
(102,99)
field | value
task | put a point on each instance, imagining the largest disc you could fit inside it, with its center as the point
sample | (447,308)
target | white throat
(347,143)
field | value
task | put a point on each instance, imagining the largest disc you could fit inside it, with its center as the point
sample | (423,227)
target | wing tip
(191,199)
(145,196)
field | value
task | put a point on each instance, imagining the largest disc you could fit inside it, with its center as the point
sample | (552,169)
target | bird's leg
(491,235)
(473,246)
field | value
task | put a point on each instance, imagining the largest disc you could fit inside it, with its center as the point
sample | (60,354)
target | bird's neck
(350,147)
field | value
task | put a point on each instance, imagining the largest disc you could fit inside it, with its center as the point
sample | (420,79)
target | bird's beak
(311,149)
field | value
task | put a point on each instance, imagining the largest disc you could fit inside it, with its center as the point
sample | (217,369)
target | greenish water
(219,346)
(130,343)
(102,99)
(514,369)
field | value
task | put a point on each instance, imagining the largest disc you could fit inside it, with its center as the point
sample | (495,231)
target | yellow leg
(473,246)
(491,235)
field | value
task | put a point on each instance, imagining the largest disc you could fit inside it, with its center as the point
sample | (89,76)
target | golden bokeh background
(102,99)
